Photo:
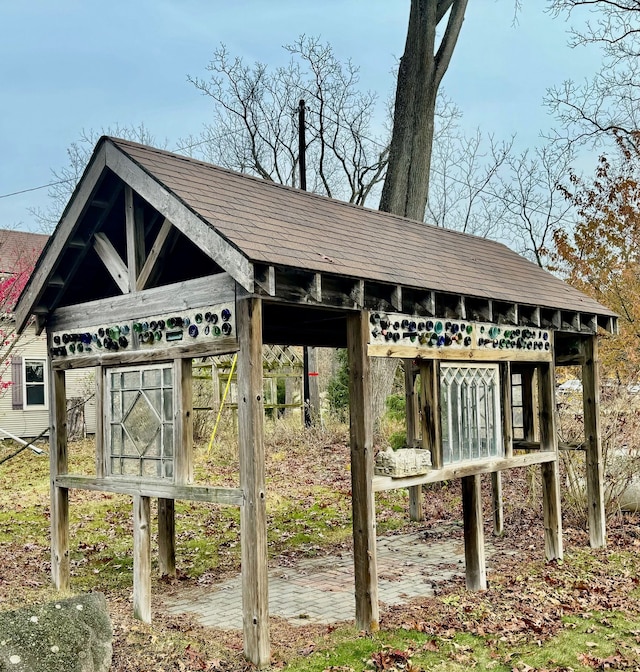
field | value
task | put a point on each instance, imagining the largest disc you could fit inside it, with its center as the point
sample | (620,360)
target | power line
(340,125)
(42,186)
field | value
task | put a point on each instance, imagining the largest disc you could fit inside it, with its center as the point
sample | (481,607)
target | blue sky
(70,65)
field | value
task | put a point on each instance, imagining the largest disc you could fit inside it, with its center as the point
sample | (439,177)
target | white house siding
(29,422)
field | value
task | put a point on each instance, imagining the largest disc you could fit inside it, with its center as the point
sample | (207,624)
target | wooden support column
(102,454)
(416,511)
(142,558)
(529,404)
(134,229)
(498,507)
(362,497)
(58,466)
(550,473)
(253,516)
(507,442)
(476,571)
(431,419)
(166,537)
(595,466)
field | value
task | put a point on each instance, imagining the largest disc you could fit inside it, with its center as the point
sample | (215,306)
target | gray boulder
(73,635)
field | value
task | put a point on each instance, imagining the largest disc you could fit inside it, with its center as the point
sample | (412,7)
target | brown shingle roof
(19,250)
(278,225)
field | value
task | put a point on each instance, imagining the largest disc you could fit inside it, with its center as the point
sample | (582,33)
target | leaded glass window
(470,412)
(140,413)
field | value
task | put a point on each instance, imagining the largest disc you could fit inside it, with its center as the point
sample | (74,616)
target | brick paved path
(321,590)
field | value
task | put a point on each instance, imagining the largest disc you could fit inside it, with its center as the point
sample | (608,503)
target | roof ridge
(306,194)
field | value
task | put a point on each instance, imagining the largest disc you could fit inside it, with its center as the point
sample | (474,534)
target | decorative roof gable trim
(179,214)
(61,237)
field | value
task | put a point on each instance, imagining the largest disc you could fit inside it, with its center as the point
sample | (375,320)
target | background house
(24,403)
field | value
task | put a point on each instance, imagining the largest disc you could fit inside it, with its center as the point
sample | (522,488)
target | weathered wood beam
(506,408)
(550,473)
(211,289)
(265,278)
(593,443)
(498,507)
(154,256)
(362,499)
(112,261)
(165,202)
(60,565)
(431,416)
(183,421)
(396,297)
(315,289)
(457,354)
(102,454)
(147,488)
(451,472)
(141,559)
(474,555)
(134,232)
(166,537)
(416,511)
(221,346)
(253,515)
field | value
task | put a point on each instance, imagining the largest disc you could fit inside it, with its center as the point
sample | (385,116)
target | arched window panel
(470,412)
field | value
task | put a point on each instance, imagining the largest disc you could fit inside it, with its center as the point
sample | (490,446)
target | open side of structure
(159,259)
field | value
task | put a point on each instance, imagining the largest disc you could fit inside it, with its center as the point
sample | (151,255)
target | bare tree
(421,70)
(255,122)
(536,207)
(609,103)
(67,177)
(465,174)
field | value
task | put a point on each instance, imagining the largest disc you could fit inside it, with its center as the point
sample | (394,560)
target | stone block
(72,635)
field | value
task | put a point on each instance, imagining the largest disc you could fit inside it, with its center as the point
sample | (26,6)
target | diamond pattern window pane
(140,411)
(470,411)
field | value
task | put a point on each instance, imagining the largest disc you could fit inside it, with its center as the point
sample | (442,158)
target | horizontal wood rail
(462,469)
(535,445)
(144,488)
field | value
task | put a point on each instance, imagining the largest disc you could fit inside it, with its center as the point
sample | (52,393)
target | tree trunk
(421,70)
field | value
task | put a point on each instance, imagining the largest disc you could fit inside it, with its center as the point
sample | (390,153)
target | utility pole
(311,391)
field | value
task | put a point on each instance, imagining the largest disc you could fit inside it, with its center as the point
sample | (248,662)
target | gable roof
(241,220)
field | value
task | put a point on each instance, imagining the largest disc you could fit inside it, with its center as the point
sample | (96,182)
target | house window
(470,412)
(34,383)
(140,428)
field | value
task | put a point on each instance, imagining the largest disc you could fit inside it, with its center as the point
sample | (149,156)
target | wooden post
(595,466)
(498,507)
(416,511)
(183,421)
(289,390)
(57,466)
(134,231)
(142,558)
(166,537)
(253,516)
(431,419)
(529,404)
(102,452)
(476,572)
(362,497)
(550,474)
(507,442)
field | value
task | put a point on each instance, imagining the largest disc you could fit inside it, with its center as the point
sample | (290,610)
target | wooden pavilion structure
(159,258)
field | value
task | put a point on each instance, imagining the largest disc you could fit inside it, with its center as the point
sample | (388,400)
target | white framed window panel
(35,387)
(139,429)
(470,412)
